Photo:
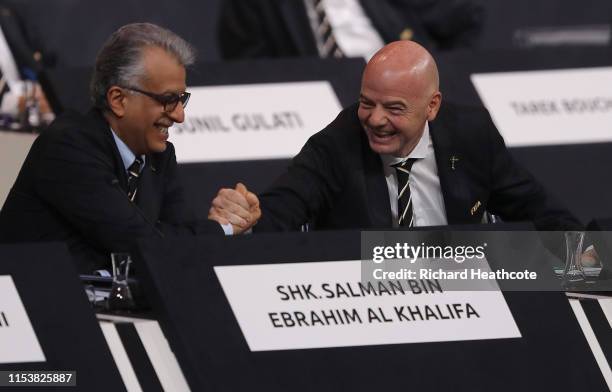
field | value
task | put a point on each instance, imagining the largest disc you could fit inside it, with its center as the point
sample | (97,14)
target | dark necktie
(133,175)
(3,85)
(404,198)
(325,33)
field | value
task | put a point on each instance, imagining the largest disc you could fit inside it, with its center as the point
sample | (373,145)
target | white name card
(18,342)
(255,121)
(571,106)
(325,304)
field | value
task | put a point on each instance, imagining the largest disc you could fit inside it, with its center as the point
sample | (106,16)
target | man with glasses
(98,182)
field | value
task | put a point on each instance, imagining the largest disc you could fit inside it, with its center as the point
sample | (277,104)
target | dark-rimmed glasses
(168,101)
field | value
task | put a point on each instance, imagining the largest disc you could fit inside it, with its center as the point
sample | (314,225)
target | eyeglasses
(168,101)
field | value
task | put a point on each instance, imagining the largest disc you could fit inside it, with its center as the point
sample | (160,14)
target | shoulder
(337,145)
(166,160)
(450,111)
(344,132)
(464,122)
(77,137)
(75,126)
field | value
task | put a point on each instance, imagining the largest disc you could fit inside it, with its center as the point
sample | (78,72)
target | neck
(113,122)
(409,147)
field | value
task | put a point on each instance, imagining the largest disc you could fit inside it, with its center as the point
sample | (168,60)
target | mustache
(165,125)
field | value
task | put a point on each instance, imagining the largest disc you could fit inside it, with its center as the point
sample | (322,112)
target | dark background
(75,29)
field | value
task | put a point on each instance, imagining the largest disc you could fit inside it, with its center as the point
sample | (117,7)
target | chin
(158,147)
(383,148)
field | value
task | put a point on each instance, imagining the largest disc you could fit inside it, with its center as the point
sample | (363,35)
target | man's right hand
(236,206)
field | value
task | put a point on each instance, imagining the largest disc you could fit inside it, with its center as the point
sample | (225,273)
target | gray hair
(119,61)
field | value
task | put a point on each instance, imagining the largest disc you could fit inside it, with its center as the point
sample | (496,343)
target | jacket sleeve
(305,190)
(174,216)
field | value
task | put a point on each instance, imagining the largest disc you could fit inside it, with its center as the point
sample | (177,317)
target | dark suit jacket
(281,28)
(337,181)
(72,188)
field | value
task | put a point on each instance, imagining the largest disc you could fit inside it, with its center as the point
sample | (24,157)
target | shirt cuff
(228,229)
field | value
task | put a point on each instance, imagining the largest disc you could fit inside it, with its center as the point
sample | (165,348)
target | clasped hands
(237,206)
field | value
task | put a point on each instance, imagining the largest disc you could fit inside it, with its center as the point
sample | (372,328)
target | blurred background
(73,30)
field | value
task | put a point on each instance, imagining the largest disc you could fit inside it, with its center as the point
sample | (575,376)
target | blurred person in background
(22,101)
(342,28)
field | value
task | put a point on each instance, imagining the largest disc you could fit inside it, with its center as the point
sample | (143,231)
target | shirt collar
(419,151)
(127,156)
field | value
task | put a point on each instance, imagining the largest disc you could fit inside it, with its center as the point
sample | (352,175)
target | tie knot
(134,168)
(405,164)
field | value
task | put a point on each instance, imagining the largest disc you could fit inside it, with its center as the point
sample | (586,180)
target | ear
(434,106)
(116,99)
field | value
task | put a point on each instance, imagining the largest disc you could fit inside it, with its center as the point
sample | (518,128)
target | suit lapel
(101,127)
(454,181)
(296,18)
(377,192)
(149,194)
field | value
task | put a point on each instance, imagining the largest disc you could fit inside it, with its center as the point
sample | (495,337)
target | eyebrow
(394,103)
(389,103)
(177,92)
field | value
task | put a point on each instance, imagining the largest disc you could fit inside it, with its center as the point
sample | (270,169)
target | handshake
(237,207)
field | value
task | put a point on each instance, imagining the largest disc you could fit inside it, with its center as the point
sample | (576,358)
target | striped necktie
(325,33)
(133,175)
(3,85)
(404,198)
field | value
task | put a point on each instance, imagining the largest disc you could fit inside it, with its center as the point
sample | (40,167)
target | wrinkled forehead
(379,82)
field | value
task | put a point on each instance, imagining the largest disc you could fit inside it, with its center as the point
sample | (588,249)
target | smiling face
(140,121)
(398,95)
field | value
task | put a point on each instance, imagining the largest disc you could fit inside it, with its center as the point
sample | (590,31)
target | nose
(377,117)
(178,114)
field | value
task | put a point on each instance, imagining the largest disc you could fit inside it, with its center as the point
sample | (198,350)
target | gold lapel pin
(475,207)
(453,160)
(406,34)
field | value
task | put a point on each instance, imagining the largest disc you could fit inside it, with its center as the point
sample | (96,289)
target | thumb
(240,188)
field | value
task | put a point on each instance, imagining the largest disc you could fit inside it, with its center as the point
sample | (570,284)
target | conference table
(205,295)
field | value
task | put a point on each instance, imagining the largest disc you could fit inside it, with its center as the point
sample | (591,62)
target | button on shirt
(128,157)
(424,183)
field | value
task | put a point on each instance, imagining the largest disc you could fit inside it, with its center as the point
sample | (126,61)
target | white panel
(120,356)
(255,121)
(18,341)
(549,107)
(600,358)
(271,319)
(166,366)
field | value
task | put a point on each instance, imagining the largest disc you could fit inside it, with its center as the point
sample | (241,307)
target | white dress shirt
(427,200)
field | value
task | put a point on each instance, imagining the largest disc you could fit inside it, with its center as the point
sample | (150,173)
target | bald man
(402,158)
